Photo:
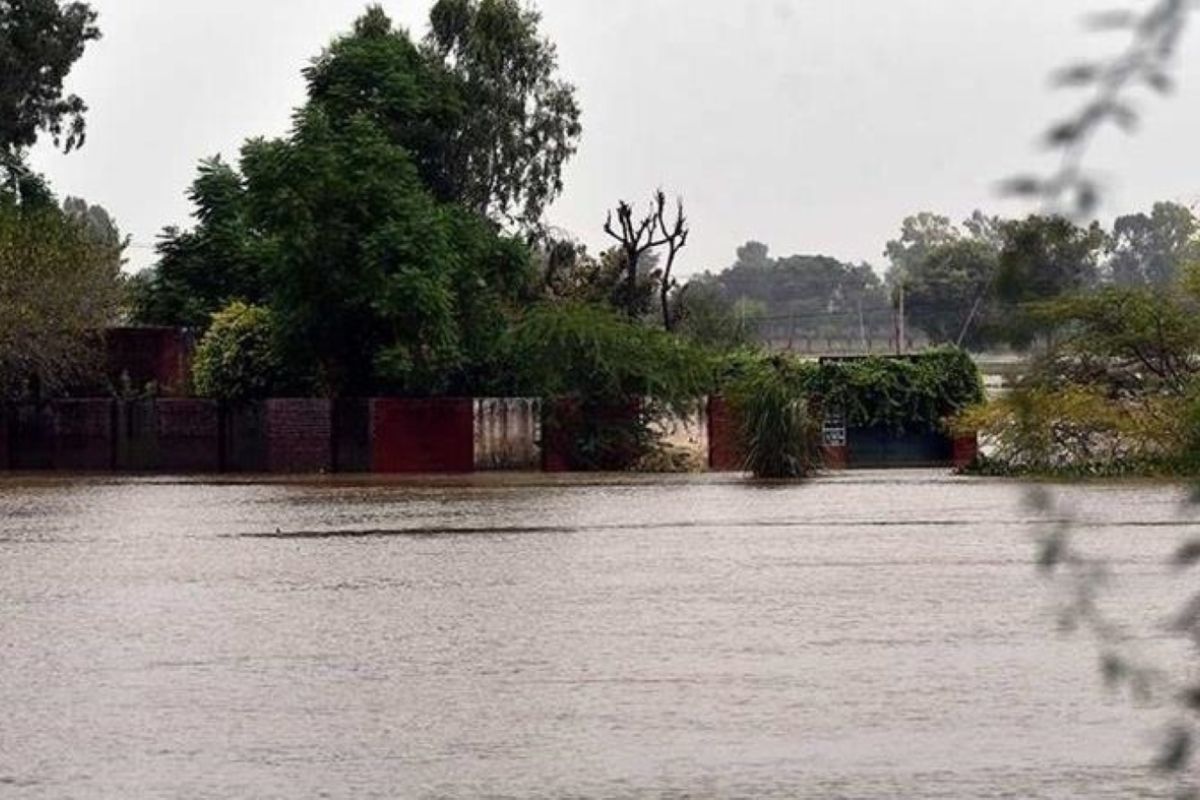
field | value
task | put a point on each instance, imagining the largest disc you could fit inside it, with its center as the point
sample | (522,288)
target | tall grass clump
(779,432)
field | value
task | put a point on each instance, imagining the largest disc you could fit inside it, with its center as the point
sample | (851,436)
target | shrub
(238,358)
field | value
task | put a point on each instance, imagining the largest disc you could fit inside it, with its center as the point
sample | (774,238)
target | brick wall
(140,356)
(299,435)
(725,452)
(244,437)
(965,450)
(83,434)
(835,457)
(31,437)
(422,436)
(5,414)
(188,435)
(137,436)
(351,435)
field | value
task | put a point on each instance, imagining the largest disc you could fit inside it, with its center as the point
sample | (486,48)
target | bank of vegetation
(393,243)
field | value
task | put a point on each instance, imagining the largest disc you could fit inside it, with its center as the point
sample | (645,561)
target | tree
(1043,258)
(521,121)
(59,286)
(805,295)
(98,223)
(949,288)
(920,234)
(203,270)
(478,105)
(1148,250)
(40,40)
(377,282)
(635,239)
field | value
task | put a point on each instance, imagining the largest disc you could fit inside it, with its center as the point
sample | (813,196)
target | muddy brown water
(873,635)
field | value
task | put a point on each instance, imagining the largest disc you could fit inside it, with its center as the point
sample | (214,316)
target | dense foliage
(780,398)
(40,40)
(238,358)
(354,230)
(1116,393)
(60,284)
(610,379)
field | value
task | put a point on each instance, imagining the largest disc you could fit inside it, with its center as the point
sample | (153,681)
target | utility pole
(901,333)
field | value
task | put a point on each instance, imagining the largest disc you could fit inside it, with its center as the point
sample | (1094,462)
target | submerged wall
(390,435)
(508,433)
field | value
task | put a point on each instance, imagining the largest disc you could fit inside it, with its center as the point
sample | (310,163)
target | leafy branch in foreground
(1145,61)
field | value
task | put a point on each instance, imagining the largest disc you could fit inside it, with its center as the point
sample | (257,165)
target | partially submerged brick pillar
(560,426)
(835,457)
(351,435)
(966,450)
(188,435)
(83,434)
(299,435)
(725,450)
(423,436)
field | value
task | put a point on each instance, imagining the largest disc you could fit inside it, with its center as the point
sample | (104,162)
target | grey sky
(811,125)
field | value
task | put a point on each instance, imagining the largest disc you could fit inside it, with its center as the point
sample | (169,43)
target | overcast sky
(812,125)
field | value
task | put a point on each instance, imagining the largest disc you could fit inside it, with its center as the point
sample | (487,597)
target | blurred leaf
(1188,555)
(1023,185)
(1187,619)
(1076,75)
(1063,133)
(1177,751)
(1039,499)
(1051,555)
(1116,19)
(1114,670)
(1160,82)
(1190,698)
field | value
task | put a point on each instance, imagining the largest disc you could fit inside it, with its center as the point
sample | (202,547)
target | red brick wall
(83,434)
(422,436)
(966,450)
(299,435)
(31,437)
(725,452)
(149,355)
(560,425)
(835,457)
(189,436)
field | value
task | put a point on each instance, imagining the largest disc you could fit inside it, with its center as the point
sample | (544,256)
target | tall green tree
(950,291)
(920,235)
(1043,258)
(1149,249)
(40,41)
(521,124)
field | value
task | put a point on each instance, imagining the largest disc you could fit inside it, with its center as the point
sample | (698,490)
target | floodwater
(875,635)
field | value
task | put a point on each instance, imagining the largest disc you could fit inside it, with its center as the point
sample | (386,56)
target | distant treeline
(978,283)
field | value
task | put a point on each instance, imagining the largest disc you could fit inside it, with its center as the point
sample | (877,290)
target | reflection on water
(875,635)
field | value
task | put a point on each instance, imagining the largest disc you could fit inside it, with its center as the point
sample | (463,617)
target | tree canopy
(381,279)
(40,40)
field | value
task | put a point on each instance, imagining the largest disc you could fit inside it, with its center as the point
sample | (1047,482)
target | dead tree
(675,237)
(636,238)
